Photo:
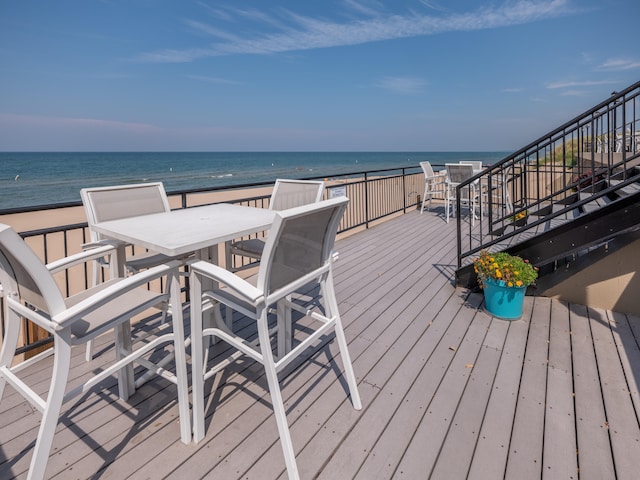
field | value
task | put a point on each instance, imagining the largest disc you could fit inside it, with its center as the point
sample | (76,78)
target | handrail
(576,158)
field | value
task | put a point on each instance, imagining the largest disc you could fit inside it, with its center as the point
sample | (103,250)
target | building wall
(611,282)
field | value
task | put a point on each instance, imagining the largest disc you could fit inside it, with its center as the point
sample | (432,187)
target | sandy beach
(27,221)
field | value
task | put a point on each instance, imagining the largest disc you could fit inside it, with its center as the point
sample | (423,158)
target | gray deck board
(560,443)
(624,432)
(447,390)
(458,447)
(591,422)
(525,451)
(492,448)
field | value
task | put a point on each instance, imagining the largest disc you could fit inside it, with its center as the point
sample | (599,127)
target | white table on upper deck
(180,232)
(187,230)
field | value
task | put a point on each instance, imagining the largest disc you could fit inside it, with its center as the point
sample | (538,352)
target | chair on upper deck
(31,292)
(498,192)
(285,194)
(477,168)
(431,184)
(297,254)
(102,204)
(477,165)
(456,174)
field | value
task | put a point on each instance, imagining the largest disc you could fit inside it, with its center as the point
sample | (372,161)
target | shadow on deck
(448,391)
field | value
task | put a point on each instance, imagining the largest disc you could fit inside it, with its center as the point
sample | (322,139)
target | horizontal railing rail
(374,196)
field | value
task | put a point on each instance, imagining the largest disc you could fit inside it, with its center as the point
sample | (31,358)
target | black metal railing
(570,165)
(374,196)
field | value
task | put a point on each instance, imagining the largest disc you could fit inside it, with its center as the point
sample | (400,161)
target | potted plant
(504,279)
(519,219)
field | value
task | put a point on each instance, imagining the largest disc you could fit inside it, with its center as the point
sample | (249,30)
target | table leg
(181,360)
(126,385)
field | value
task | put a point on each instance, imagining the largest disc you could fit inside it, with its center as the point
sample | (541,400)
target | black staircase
(563,195)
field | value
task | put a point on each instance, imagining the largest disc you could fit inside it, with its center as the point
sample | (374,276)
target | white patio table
(180,232)
(188,230)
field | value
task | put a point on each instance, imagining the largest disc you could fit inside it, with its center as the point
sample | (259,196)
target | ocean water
(33,179)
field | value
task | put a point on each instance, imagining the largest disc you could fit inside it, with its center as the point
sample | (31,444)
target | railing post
(404,191)
(366,200)
(459,223)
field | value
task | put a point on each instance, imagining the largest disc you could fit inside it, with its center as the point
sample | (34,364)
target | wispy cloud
(586,83)
(217,80)
(574,93)
(57,122)
(616,64)
(402,85)
(432,5)
(293,32)
(372,8)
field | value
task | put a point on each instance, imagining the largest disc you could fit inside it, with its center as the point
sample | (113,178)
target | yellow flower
(510,270)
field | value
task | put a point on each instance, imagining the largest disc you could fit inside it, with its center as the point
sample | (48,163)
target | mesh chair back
(299,245)
(295,193)
(23,274)
(477,165)
(427,169)
(113,203)
(458,173)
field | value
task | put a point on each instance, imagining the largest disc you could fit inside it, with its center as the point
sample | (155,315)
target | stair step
(573,198)
(626,190)
(569,215)
(595,204)
(543,211)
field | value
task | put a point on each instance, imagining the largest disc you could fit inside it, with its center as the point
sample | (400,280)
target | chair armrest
(231,280)
(105,295)
(82,257)
(101,243)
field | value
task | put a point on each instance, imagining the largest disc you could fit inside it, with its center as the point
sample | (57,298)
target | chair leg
(424,198)
(330,300)
(88,354)
(123,346)
(276,396)
(197,358)
(95,280)
(446,205)
(9,344)
(180,360)
(449,207)
(61,365)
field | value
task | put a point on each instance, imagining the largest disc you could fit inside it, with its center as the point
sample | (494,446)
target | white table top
(187,230)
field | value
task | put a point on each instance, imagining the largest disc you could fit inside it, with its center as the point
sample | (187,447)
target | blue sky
(324,75)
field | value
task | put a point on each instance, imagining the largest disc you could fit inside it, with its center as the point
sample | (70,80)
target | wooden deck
(448,392)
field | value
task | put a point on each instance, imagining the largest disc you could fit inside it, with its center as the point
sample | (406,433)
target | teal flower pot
(501,301)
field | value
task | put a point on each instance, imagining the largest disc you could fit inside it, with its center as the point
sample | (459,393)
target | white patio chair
(102,204)
(286,194)
(297,254)
(500,196)
(456,174)
(477,165)
(431,184)
(31,292)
